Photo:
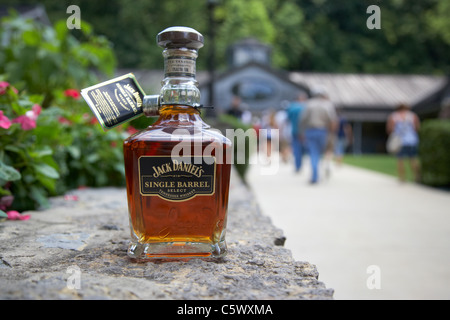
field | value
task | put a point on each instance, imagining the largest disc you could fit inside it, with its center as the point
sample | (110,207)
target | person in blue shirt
(344,137)
(294,113)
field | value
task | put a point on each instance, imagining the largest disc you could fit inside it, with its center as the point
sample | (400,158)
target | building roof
(369,90)
(29,11)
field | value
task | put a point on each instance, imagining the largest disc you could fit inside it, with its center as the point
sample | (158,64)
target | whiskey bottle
(178,169)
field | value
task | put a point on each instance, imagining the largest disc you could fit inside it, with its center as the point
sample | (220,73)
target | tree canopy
(305,35)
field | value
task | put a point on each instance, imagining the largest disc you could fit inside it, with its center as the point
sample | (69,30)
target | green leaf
(15,149)
(4,192)
(48,183)
(61,30)
(8,173)
(94,157)
(39,195)
(31,37)
(74,151)
(44,151)
(46,170)
(3,214)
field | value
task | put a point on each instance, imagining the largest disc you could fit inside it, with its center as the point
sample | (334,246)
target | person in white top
(405,124)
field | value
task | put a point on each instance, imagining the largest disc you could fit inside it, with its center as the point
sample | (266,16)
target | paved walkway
(362,230)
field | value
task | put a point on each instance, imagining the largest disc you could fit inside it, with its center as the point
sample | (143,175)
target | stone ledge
(39,257)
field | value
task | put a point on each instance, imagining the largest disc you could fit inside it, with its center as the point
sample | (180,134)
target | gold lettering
(135,94)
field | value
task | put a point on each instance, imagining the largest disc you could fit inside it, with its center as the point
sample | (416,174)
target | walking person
(294,114)
(405,124)
(319,120)
(344,137)
(284,129)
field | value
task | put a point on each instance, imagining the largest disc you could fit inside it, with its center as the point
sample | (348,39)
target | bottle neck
(179,85)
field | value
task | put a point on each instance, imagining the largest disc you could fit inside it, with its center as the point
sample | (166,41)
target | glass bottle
(178,169)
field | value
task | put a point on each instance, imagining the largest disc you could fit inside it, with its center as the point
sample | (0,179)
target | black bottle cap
(180,37)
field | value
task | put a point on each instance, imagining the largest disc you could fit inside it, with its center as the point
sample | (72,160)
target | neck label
(115,101)
(180,66)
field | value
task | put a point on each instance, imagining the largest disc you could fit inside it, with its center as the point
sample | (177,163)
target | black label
(115,101)
(177,178)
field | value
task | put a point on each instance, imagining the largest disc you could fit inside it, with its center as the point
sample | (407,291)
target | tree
(310,35)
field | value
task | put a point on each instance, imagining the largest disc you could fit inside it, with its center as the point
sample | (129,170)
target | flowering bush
(23,163)
(49,140)
(45,152)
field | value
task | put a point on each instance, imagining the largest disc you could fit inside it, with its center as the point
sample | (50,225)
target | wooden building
(366,100)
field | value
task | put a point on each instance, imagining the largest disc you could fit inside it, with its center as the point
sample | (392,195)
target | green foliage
(43,59)
(241,156)
(27,169)
(434,152)
(49,140)
(382,163)
(312,35)
(64,150)
(410,40)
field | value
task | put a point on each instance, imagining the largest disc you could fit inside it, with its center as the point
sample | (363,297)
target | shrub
(49,140)
(43,59)
(45,152)
(434,152)
(241,156)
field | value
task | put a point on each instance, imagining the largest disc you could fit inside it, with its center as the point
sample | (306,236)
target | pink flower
(73,93)
(5,85)
(69,197)
(132,130)
(63,120)
(28,121)
(36,109)
(14,215)
(5,123)
(5,202)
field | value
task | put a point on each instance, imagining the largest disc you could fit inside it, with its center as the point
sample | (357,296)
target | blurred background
(259,56)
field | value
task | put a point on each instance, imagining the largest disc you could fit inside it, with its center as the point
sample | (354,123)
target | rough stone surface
(77,250)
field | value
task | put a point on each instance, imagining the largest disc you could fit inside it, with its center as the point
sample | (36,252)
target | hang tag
(115,101)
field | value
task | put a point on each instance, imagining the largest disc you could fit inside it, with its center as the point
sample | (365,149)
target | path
(360,226)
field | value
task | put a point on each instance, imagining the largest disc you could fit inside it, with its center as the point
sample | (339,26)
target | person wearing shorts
(406,124)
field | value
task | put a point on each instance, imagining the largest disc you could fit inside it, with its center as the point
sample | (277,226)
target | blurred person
(319,120)
(246,116)
(330,145)
(294,114)
(405,123)
(269,124)
(344,137)
(284,127)
(235,109)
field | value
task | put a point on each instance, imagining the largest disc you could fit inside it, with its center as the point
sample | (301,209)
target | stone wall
(77,250)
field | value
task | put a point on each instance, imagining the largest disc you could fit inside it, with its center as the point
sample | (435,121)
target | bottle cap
(180,37)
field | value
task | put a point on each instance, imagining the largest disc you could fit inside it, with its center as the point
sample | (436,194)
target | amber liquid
(155,220)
